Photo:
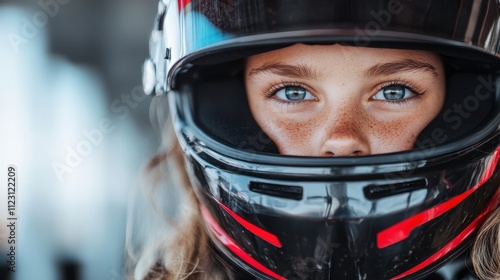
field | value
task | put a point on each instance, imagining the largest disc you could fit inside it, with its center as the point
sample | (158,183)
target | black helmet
(389,216)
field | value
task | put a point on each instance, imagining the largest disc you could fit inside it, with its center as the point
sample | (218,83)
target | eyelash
(418,91)
(277,87)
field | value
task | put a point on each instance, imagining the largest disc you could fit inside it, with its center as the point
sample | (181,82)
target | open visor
(210,27)
(217,108)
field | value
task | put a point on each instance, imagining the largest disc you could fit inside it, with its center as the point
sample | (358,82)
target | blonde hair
(165,237)
(486,249)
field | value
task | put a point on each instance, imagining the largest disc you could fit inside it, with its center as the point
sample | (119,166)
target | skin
(333,100)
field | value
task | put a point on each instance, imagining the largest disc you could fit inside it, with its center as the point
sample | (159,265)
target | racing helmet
(390,216)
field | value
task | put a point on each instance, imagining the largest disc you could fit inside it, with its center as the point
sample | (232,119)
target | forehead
(326,54)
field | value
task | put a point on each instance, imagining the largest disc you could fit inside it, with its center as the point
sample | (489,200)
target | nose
(345,141)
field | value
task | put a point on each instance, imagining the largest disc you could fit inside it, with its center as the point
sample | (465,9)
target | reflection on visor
(200,32)
(209,22)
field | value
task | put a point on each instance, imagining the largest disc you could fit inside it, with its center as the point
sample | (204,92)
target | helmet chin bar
(339,218)
(365,221)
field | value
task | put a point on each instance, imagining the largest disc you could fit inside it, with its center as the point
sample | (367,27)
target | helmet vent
(290,192)
(374,191)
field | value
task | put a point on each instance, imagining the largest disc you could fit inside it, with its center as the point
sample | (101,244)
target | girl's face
(333,100)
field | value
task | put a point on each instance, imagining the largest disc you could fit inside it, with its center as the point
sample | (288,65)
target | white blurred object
(49,108)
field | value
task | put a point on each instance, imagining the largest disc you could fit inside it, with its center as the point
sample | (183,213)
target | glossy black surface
(217,25)
(331,232)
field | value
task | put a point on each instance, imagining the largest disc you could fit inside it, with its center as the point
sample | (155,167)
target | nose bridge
(344,117)
(344,133)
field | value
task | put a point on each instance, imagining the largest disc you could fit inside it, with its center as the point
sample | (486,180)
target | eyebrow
(400,65)
(305,72)
(293,71)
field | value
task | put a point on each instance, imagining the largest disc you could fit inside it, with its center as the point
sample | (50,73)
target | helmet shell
(390,216)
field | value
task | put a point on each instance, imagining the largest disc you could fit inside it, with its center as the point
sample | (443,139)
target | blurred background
(76,126)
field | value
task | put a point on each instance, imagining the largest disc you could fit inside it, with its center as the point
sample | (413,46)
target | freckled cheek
(394,136)
(292,135)
(291,138)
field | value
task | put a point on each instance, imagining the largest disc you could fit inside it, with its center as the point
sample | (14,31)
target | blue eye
(394,93)
(293,94)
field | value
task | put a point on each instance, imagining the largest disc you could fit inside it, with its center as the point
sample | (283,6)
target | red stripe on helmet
(265,235)
(183,3)
(401,230)
(233,247)
(471,228)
